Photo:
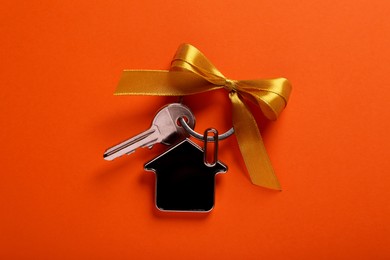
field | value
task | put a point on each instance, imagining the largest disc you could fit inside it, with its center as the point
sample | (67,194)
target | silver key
(165,129)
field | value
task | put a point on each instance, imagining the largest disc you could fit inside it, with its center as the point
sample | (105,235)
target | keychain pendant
(184,181)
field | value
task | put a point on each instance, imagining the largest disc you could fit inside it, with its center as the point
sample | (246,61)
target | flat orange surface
(60,62)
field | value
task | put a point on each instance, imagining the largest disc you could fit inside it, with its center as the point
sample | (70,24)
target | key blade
(145,139)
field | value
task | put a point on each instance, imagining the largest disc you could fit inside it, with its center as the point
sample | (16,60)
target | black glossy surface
(184,182)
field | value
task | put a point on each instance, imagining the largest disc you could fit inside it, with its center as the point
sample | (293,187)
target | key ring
(200,137)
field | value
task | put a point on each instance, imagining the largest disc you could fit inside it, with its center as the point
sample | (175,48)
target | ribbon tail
(162,83)
(251,146)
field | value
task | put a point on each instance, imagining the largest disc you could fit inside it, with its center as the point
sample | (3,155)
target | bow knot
(230,85)
(191,73)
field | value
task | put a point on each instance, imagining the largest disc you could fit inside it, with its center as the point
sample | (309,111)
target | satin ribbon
(191,73)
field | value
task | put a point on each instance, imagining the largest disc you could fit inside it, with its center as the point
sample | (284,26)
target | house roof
(185,152)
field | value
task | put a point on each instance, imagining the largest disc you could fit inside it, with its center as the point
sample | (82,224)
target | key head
(167,122)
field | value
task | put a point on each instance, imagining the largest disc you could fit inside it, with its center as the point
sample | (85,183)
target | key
(165,129)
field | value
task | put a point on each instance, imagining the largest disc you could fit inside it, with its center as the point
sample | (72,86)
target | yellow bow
(191,73)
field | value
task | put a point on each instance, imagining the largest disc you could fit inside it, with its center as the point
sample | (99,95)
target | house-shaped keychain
(183,181)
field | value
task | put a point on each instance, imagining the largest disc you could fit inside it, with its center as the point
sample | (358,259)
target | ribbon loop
(190,73)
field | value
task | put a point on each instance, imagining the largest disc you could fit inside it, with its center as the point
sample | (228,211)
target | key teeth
(150,144)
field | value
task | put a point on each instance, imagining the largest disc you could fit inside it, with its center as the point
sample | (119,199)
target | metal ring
(201,137)
(205,149)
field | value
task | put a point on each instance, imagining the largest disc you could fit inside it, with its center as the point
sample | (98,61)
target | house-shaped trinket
(183,181)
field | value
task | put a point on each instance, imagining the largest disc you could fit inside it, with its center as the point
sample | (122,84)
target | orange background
(60,63)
